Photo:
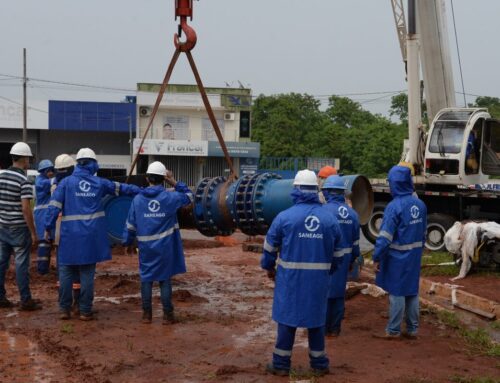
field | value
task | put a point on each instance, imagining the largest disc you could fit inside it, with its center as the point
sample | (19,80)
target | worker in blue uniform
(64,165)
(84,240)
(305,237)
(398,253)
(347,253)
(43,183)
(152,220)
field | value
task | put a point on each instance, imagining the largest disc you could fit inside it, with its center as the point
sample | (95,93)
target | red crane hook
(184,9)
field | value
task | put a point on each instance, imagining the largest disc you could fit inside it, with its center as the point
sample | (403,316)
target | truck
(454,161)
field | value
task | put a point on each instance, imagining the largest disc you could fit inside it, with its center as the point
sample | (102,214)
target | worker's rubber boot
(168,318)
(30,305)
(147,316)
(410,335)
(5,303)
(87,316)
(276,371)
(387,336)
(64,315)
(320,371)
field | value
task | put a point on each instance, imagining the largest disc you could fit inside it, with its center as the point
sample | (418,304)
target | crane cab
(463,147)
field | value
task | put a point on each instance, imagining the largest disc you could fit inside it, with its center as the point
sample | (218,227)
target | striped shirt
(14,186)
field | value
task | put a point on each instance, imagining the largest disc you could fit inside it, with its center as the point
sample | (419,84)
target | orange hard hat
(327,171)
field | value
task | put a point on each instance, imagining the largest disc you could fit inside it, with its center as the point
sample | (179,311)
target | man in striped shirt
(17,229)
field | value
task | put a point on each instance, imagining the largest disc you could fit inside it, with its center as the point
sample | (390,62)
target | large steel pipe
(249,204)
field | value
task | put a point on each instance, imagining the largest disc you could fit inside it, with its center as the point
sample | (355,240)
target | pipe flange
(204,199)
(247,203)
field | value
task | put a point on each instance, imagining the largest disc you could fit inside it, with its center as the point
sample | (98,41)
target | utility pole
(25,105)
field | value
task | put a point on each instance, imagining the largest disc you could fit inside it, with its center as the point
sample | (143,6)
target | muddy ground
(224,332)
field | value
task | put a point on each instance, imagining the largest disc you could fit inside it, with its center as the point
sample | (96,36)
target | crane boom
(435,58)
(400,21)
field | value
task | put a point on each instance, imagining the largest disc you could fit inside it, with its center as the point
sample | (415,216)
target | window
(447,137)
(175,128)
(208,132)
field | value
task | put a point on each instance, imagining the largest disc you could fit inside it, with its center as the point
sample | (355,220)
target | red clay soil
(224,333)
(486,286)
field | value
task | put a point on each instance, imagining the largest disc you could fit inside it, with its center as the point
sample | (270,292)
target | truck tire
(371,229)
(437,226)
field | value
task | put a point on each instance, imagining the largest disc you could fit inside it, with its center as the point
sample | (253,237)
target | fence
(287,167)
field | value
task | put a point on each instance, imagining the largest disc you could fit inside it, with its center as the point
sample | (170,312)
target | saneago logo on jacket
(343,214)
(154,207)
(415,214)
(84,187)
(312,224)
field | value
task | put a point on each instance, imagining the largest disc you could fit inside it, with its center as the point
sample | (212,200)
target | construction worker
(152,220)
(84,240)
(305,236)
(398,253)
(43,183)
(17,228)
(347,253)
(323,174)
(64,166)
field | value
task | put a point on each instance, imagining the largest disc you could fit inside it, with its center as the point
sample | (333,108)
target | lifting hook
(184,9)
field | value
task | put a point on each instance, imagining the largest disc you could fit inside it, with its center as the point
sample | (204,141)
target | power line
(20,104)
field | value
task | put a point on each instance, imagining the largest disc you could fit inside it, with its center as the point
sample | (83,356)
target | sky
(319,47)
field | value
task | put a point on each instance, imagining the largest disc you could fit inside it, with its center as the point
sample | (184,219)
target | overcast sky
(321,47)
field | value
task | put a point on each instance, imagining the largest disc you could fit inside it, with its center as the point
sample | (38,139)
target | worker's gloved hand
(271,274)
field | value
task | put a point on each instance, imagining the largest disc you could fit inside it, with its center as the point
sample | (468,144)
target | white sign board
(172,148)
(178,99)
(11,115)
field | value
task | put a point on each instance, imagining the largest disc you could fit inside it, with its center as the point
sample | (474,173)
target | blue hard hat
(45,164)
(334,182)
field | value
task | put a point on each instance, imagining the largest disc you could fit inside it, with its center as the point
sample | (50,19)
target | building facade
(182,136)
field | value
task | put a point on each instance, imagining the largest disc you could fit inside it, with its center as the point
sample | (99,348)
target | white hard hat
(86,153)
(305,178)
(64,161)
(157,168)
(21,149)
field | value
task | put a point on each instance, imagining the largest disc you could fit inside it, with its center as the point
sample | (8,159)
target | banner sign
(172,148)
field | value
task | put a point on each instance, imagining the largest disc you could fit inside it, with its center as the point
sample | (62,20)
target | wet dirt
(224,332)
(485,286)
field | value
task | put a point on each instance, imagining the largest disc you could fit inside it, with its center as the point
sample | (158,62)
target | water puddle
(22,361)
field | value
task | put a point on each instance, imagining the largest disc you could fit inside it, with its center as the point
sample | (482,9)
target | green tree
(289,125)
(399,107)
(292,125)
(491,103)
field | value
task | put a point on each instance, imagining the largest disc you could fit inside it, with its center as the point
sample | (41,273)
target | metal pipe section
(249,204)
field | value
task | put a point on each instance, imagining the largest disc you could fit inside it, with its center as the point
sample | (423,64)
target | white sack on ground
(462,239)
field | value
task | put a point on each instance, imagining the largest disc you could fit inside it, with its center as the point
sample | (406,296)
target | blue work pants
(334,315)
(399,307)
(67,275)
(43,257)
(284,344)
(16,240)
(165,293)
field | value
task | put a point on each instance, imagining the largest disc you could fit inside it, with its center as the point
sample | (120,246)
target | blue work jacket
(348,248)
(84,238)
(42,194)
(401,240)
(152,219)
(305,236)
